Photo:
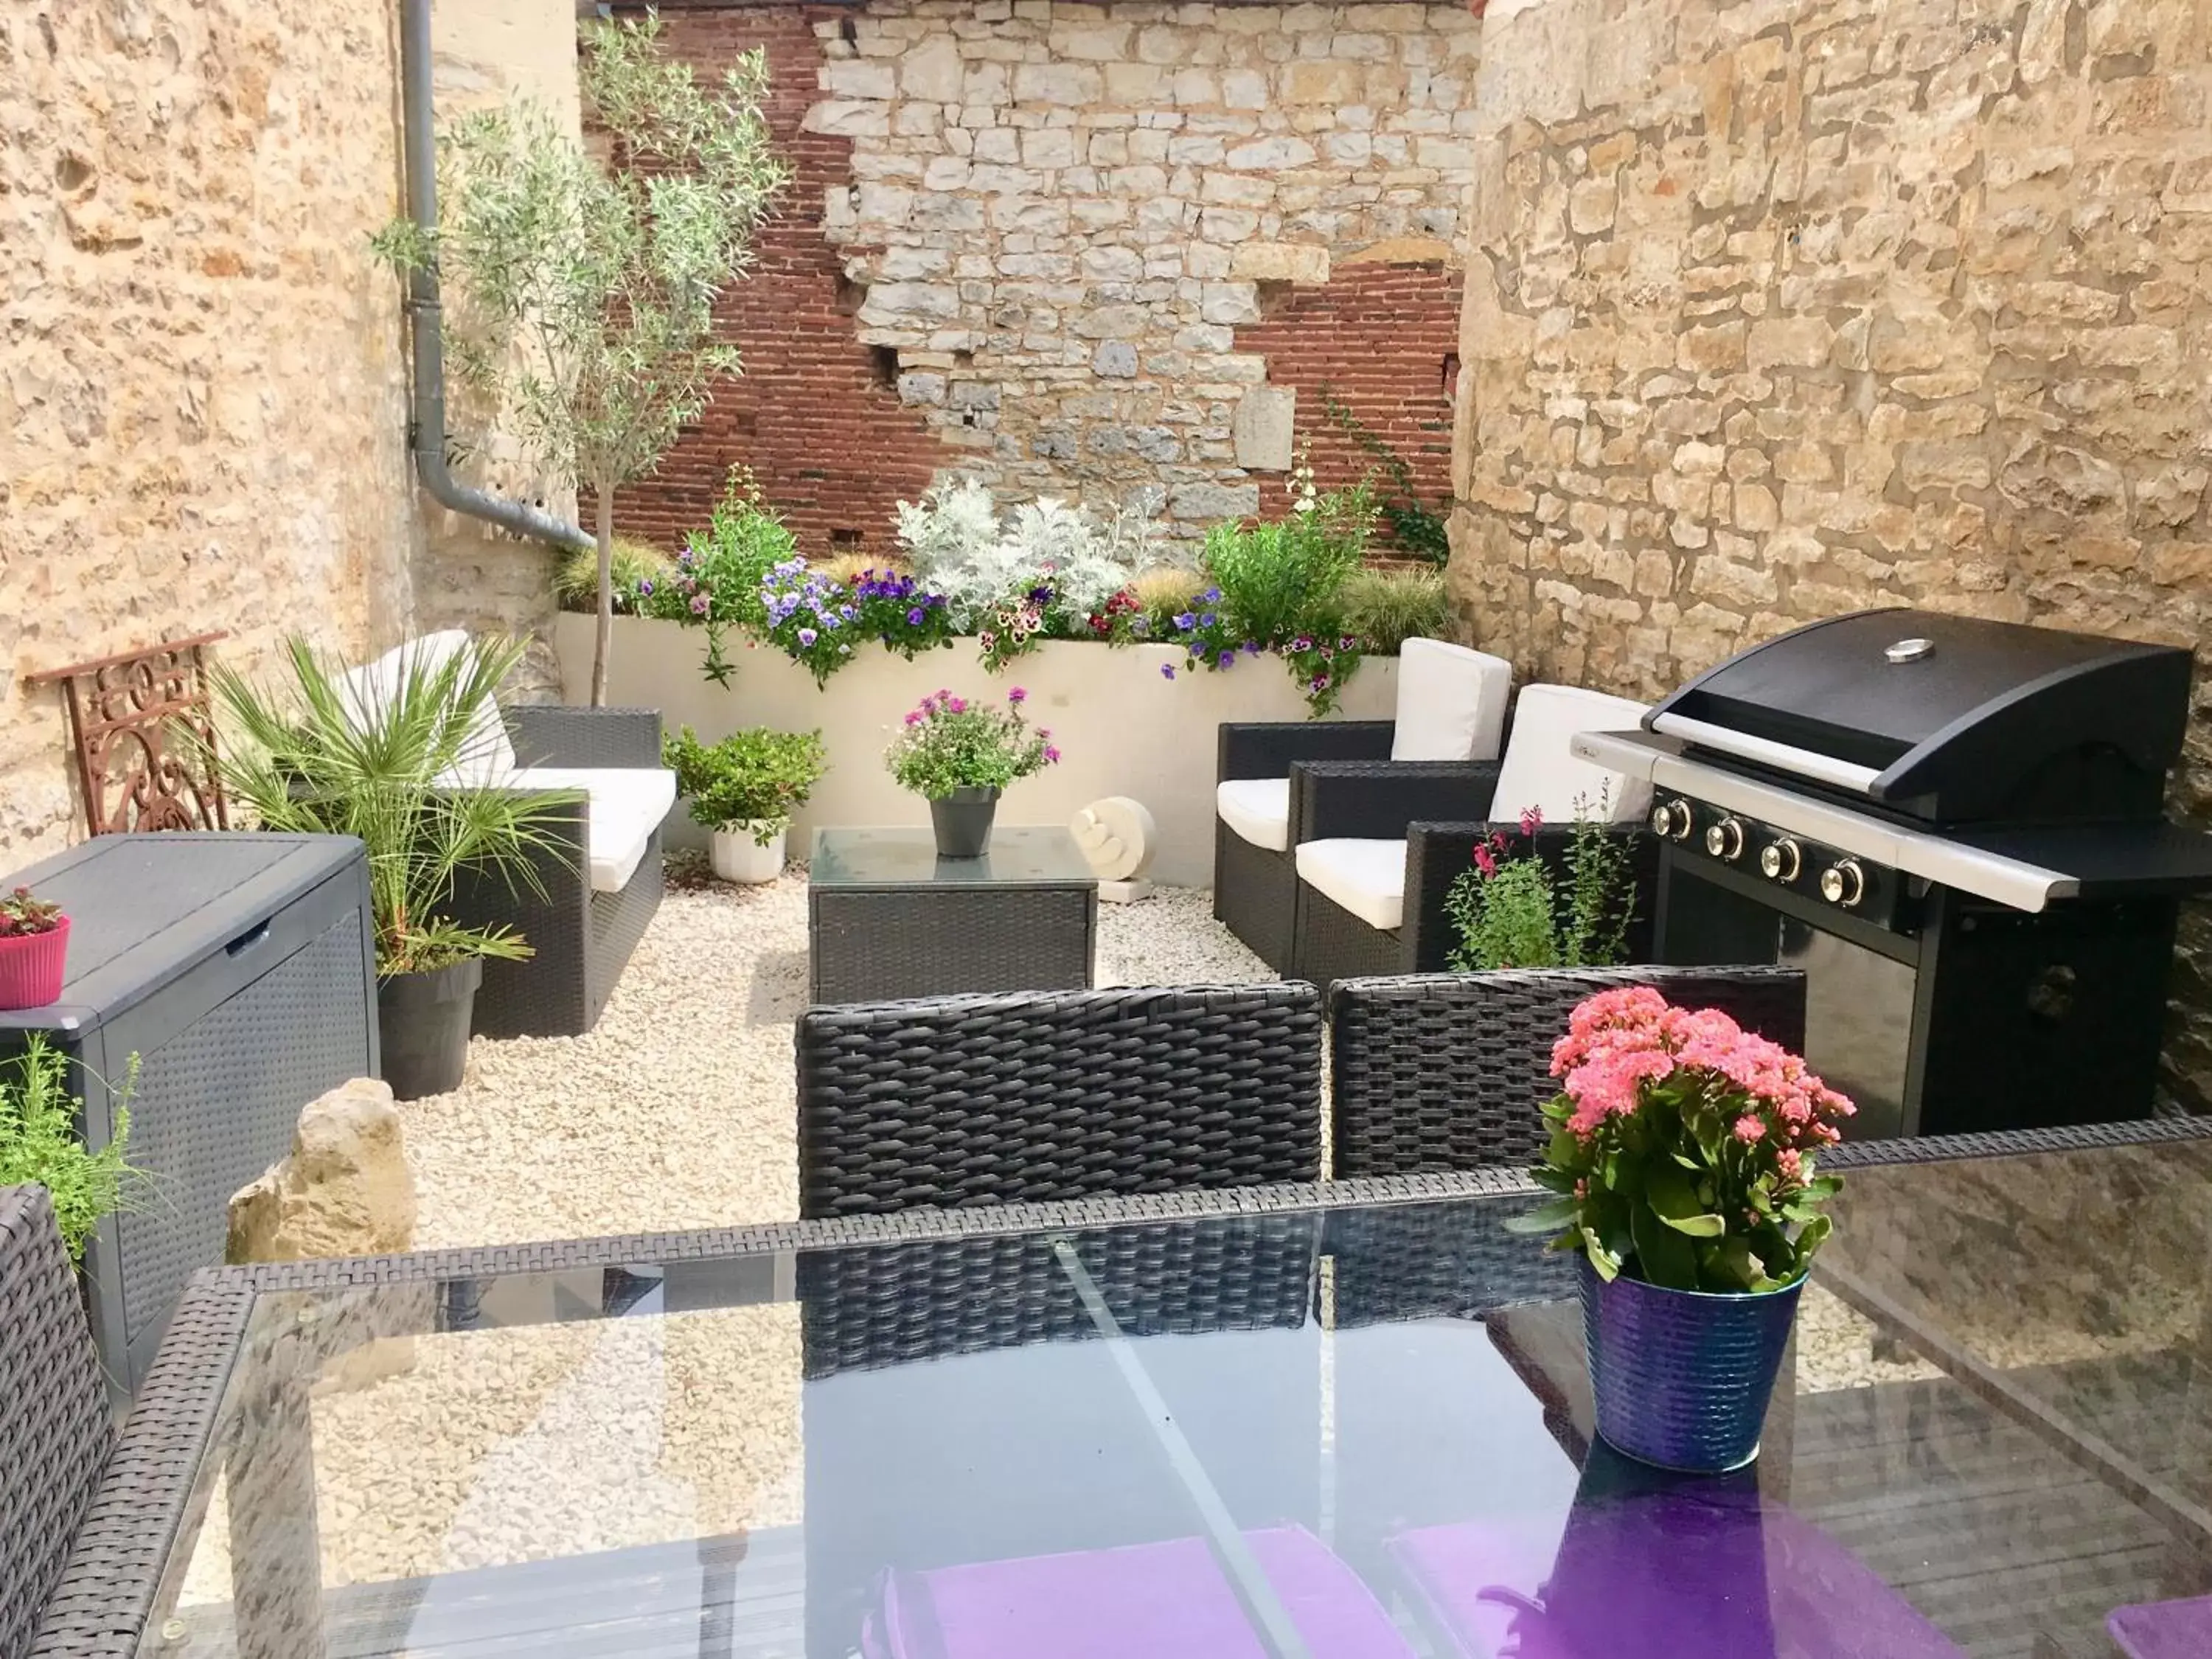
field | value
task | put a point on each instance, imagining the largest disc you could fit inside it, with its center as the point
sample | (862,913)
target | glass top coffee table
(887,918)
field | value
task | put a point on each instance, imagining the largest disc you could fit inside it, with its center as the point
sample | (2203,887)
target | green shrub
(1282,581)
(576,584)
(39,1143)
(1507,911)
(1386,608)
(718,579)
(755,777)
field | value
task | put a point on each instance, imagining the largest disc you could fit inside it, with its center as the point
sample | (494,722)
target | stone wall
(1060,245)
(1777,308)
(203,384)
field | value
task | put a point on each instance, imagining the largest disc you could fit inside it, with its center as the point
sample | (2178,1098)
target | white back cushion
(488,757)
(1540,771)
(1451,703)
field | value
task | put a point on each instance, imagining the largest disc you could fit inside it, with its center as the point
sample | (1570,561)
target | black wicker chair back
(1434,1072)
(55,1428)
(952,1101)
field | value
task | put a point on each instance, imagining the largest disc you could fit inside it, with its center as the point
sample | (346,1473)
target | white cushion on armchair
(624,806)
(1540,771)
(1257,809)
(1451,703)
(1367,877)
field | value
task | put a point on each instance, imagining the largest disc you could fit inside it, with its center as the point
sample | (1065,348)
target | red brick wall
(832,447)
(1385,339)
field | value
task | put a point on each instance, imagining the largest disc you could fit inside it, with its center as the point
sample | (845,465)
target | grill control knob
(1673,819)
(1724,839)
(1781,859)
(1843,884)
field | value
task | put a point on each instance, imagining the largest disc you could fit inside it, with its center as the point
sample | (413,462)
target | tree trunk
(602,646)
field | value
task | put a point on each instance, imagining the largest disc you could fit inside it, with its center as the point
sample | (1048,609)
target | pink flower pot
(31,967)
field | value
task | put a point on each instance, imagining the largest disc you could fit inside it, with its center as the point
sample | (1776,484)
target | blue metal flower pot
(1681,1377)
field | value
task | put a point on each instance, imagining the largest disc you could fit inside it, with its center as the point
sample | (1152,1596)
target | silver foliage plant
(962,547)
(582,290)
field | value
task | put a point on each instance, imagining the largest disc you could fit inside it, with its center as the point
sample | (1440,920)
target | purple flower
(807,636)
(699,603)
(1207,620)
(1320,682)
(914,617)
(684,558)
(1186,621)
(958,705)
(913,717)
(1302,643)
(1051,755)
(1167,671)
(1140,626)
(1212,596)
(1227,660)
(846,612)
(645,588)
(1252,647)
(1044,733)
(1017,696)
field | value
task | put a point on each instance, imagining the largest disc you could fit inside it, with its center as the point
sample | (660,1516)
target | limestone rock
(343,1189)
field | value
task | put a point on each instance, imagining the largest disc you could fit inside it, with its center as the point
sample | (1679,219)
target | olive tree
(582,287)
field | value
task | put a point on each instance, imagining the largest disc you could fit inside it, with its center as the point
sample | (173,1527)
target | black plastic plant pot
(961,821)
(425,1020)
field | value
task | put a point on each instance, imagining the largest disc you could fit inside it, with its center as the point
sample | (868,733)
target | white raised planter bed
(1121,727)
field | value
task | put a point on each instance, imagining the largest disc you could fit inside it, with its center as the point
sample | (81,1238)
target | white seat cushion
(1257,809)
(486,757)
(1367,877)
(1540,771)
(1451,703)
(624,806)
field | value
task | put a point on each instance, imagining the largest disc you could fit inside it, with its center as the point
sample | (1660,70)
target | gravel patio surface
(676,1111)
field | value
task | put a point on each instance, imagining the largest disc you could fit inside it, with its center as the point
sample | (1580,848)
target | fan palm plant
(396,755)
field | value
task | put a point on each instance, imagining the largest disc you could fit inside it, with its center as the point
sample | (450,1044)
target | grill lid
(1949,718)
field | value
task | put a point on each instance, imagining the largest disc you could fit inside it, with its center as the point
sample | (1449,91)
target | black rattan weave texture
(580,940)
(991,1100)
(1434,1072)
(867,945)
(54,1425)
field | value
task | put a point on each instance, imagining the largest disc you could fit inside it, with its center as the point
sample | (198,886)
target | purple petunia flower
(1186,621)
(1252,647)
(1051,755)
(913,717)
(699,603)
(914,617)
(1228,659)
(1167,671)
(1017,696)
(956,705)
(1207,620)
(1212,596)
(645,588)
(807,636)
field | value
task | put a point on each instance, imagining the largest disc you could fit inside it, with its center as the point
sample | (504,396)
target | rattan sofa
(1451,710)
(1431,1072)
(591,904)
(1042,1095)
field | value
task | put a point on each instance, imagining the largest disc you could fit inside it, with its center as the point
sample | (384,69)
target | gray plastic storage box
(240,969)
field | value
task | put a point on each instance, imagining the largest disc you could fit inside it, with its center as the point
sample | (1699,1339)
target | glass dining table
(1344,1421)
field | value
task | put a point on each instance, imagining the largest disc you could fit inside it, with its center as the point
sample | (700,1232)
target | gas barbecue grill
(1955,828)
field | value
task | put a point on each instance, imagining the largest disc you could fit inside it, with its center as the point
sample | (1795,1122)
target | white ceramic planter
(736,856)
(1122,727)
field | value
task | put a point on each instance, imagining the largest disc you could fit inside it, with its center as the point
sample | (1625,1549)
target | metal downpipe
(425,317)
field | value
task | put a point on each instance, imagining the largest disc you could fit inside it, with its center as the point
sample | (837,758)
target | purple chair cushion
(1166,1600)
(1663,1575)
(2164,1629)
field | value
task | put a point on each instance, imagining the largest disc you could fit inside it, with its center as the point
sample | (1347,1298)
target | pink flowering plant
(950,742)
(1683,1148)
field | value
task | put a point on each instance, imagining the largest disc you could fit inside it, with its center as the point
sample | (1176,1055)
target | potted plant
(1682,1151)
(380,754)
(960,756)
(40,1145)
(744,789)
(34,950)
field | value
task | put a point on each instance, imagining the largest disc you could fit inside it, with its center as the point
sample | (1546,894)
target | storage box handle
(246,940)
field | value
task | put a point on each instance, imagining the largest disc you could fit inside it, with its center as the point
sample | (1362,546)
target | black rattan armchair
(580,937)
(55,1428)
(1438,1071)
(949,1101)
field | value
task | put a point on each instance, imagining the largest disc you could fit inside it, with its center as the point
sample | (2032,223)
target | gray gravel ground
(677,1110)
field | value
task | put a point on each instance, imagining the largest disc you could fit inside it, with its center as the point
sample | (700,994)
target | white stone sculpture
(1118,836)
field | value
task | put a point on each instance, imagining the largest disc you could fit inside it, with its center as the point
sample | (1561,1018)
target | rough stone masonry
(1105,252)
(1779,308)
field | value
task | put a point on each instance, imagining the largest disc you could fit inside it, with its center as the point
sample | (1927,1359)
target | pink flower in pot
(34,950)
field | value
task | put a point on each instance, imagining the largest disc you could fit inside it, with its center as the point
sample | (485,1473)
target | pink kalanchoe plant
(1683,1148)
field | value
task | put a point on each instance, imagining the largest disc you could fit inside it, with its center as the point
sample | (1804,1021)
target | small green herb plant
(1507,911)
(40,1145)
(752,780)
(952,743)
